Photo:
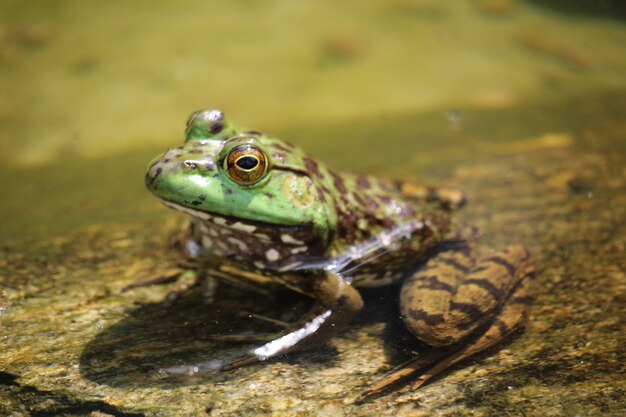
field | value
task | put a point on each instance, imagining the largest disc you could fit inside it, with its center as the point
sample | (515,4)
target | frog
(262,211)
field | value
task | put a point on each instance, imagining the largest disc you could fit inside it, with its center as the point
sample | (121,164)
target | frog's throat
(218,217)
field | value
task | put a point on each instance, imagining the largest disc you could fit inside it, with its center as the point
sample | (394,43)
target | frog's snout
(155,170)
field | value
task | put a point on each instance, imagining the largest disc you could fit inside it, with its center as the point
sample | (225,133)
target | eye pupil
(247,162)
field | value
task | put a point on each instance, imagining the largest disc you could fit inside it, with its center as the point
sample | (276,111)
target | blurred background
(86,79)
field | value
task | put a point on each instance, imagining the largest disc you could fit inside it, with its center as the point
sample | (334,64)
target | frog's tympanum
(262,212)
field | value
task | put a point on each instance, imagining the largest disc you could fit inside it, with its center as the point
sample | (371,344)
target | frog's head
(240,176)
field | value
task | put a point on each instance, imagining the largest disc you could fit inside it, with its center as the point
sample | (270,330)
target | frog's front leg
(338,302)
(455,299)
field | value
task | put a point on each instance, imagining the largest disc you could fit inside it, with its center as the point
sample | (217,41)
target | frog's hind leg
(454,299)
(513,316)
(452,296)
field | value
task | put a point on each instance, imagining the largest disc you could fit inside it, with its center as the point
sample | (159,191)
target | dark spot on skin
(190,164)
(165,160)
(216,127)
(502,326)
(359,200)
(454,264)
(196,202)
(486,285)
(346,223)
(371,203)
(209,166)
(430,319)
(339,184)
(229,191)
(472,312)
(341,301)
(269,195)
(282,148)
(202,197)
(363,182)
(196,151)
(503,262)
(312,167)
(320,195)
(481,268)
(432,283)
(464,250)
(157,173)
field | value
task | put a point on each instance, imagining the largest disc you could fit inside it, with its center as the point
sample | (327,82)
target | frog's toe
(401,373)
(244,338)
(164,277)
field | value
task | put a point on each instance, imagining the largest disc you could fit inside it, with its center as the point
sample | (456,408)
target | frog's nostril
(190,164)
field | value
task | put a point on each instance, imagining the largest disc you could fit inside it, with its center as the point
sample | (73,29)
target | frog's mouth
(233,222)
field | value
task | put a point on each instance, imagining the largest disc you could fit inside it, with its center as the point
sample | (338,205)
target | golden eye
(246,164)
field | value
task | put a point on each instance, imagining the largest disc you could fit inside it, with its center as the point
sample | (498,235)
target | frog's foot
(185,280)
(279,324)
(448,198)
(257,337)
(454,299)
(164,277)
(244,338)
(337,303)
(401,373)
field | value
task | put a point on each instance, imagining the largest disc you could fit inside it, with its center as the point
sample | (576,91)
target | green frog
(263,211)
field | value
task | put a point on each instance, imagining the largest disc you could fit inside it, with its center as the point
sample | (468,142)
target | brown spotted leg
(453,297)
(339,302)
(513,315)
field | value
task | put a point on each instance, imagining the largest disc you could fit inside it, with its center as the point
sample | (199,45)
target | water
(521,106)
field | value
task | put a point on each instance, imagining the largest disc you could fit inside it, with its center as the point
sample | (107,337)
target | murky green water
(523,107)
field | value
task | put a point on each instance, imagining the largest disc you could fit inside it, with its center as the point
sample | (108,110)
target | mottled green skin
(330,213)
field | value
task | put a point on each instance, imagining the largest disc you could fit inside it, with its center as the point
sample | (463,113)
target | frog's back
(380,234)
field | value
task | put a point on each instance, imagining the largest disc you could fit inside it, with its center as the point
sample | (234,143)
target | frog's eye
(246,164)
